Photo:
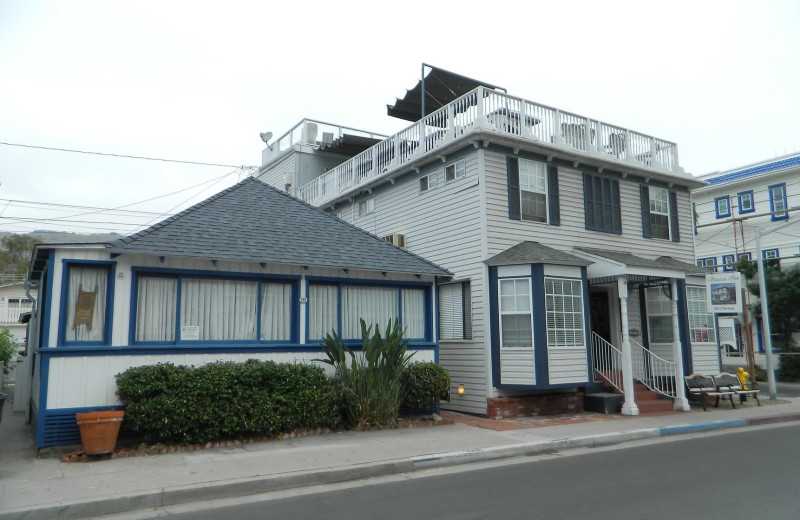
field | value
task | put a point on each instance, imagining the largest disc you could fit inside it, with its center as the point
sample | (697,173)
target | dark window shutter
(512,169)
(588,200)
(615,201)
(674,221)
(552,192)
(645,198)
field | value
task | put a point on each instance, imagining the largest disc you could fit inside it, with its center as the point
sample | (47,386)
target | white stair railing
(607,361)
(656,373)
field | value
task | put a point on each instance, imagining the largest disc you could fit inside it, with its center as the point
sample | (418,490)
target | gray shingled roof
(252,221)
(623,257)
(686,267)
(535,253)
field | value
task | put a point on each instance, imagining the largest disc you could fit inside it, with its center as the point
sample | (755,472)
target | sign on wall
(724,292)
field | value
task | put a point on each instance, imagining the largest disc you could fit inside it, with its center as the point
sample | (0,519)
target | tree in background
(15,256)
(8,348)
(783,293)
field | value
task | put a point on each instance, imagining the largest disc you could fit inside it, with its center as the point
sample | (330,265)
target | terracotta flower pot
(99,430)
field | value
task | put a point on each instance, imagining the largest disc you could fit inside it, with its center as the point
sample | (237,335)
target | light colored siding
(517,367)
(567,365)
(504,232)
(275,174)
(77,382)
(442,225)
(705,358)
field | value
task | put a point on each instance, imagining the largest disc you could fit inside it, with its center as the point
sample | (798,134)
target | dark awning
(349,145)
(441,87)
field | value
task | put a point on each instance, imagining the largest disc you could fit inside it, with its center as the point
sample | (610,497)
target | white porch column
(681,403)
(629,406)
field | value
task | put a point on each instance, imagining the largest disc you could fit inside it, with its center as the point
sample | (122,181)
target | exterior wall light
(461,390)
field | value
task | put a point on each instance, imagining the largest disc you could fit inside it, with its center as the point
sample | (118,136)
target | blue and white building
(729,209)
(249,273)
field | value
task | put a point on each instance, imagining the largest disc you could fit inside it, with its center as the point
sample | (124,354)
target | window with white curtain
(374,304)
(211,309)
(87,289)
(455,311)
(659,315)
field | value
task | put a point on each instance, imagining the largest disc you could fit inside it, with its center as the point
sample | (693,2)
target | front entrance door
(601,317)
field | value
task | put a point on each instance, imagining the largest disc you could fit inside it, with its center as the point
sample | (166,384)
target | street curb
(250,486)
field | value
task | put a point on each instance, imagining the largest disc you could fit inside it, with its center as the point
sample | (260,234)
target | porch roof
(528,252)
(613,264)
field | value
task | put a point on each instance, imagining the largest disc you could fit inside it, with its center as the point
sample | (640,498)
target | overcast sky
(198,81)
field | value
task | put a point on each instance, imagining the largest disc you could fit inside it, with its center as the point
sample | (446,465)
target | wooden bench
(730,383)
(700,386)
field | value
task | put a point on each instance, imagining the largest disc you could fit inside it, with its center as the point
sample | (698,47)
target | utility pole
(762,279)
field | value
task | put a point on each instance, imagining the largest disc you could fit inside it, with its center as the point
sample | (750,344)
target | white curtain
(87,280)
(372,304)
(276,311)
(223,309)
(155,309)
(322,310)
(414,313)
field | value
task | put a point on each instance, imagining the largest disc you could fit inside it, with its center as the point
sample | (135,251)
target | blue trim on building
(785,215)
(494,325)
(752,202)
(108,319)
(755,170)
(196,349)
(44,373)
(727,212)
(47,299)
(683,327)
(726,260)
(587,325)
(539,317)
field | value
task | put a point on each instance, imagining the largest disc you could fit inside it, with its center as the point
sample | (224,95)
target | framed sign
(724,292)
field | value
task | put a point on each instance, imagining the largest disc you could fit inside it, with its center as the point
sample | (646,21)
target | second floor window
(746,204)
(722,206)
(365,207)
(659,213)
(532,191)
(602,204)
(777,201)
(727,263)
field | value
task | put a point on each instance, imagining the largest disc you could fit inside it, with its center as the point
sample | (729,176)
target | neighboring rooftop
(528,252)
(770,165)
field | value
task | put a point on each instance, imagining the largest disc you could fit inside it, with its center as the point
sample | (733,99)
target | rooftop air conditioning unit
(397,239)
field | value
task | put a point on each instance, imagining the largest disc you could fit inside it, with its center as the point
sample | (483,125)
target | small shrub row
(422,384)
(225,400)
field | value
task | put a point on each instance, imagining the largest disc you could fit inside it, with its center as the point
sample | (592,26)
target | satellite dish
(266,136)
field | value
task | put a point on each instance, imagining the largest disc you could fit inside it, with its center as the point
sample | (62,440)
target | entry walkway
(46,488)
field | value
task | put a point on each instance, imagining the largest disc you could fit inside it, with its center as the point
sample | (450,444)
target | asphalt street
(735,474)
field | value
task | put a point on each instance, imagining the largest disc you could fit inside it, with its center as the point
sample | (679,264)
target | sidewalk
(33,488)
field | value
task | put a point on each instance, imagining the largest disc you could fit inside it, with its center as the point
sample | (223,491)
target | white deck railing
(11,315)
(487,109)
(656,373)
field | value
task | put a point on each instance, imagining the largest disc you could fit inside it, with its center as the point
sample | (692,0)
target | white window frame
(455,171)
(525,282)
(728,259)
(701,322)
(746,196)
(561,322)
(366,207)
(659,206)
(777,201)
(653,312)
(533,179)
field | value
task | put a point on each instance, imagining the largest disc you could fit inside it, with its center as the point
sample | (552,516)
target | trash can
(3,398)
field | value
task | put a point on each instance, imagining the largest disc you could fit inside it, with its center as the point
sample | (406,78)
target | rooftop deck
(486,110)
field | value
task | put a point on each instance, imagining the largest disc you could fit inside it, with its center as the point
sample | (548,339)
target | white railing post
(557,137)
(479,106)
(629,406)
(680,403)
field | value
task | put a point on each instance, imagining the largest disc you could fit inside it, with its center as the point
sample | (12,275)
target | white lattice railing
(656,373)
(489,110)
(607,360)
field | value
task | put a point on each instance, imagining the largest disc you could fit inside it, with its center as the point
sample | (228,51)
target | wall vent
(397,239)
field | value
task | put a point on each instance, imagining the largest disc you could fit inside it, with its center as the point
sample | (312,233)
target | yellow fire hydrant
(742,375)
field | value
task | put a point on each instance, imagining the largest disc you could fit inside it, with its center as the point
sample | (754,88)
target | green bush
(369,384)
(789,368)
(225,400)
(423,384)
(8,348)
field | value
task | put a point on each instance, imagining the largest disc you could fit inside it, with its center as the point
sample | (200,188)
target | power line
(122,156)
